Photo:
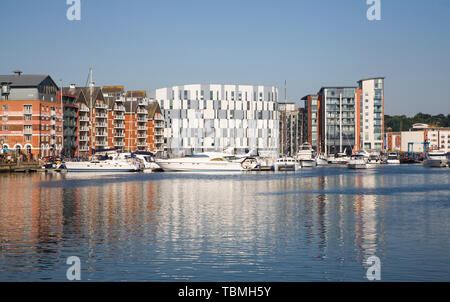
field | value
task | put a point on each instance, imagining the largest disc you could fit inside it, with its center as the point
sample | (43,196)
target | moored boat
(305,156)
(435,159)
(286,164)
(357,161)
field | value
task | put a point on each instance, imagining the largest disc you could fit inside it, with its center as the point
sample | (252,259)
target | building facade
(202,118)
(292,128)
(31,115)
(338,113)
(370,122)
(419,139)
(312,120)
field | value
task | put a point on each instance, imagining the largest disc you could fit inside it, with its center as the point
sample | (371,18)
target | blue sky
(146,44)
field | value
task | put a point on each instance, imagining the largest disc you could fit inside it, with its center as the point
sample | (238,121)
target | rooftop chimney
(72,86)
(17,72)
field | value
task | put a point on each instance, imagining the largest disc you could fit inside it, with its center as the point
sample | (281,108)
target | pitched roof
(153,108)
(96,94)
(25,80)
(136,94)
(113,89)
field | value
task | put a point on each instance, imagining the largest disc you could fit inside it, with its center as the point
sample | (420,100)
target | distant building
(346,118)
(292,128)
(31,115)
(419,139)
(370,100)
(201,118)
(312,120)
(338,113)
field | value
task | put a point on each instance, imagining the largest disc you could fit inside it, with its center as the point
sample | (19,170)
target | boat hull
(308,163)
(100,167)
(173,166)
(357,166)
(434,163)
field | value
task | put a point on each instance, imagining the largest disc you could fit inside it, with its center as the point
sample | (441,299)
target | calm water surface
(314,225)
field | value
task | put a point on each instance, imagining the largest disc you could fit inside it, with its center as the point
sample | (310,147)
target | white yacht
(357,161)
(373,161)
(147,159)
(435,159)
(204,162)
(393,159)
(107,165)
(339,159)
(286,163)
(321,160)
(305,156)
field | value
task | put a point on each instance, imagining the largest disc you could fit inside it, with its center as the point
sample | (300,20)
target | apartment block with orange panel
(312,120)
(31,116)
(114,97)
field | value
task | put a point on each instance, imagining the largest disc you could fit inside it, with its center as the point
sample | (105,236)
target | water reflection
(319,224)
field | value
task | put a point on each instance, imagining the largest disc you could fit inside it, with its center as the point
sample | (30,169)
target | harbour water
(318,224)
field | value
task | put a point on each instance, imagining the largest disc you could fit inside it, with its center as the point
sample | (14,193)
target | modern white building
(214,117)
(371,109)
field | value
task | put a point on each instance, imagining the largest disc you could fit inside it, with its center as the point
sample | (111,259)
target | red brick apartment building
(31,115)
(37,120)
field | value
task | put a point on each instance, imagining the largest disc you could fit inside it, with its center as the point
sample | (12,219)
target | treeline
(404,123)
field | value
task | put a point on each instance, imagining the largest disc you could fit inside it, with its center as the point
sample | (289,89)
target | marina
(317,224)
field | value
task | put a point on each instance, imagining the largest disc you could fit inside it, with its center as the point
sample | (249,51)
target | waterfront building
(83,133)
(143,123)
(70,123)
(292,128)
(370,122)
(419,139)
(31,115)
(346,118)
(116,116)
(204,118)
(312,120)
(338,113)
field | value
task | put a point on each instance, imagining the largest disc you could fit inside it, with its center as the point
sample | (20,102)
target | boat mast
(91,105)
(340,122)
(285,118)
(62,114)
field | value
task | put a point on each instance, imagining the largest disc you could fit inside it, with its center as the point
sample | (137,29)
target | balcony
(28,111)
(84,119)
(84,109)
(101,134)
(120,117)
(142,144)
(159,140)
(101,115)
(119,144)
(120,108)
(119,134)
(84,139)
(84,129)
(84,149)
(142,111)
(142,128)
(101,125)
(142,136)
(101,106)
(119,126)
(142,120)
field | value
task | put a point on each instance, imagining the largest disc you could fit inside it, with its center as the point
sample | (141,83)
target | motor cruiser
(435,159)
(357,161)
(286,164)
(305,156)
(338,159)
(206,162)
(393,159)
